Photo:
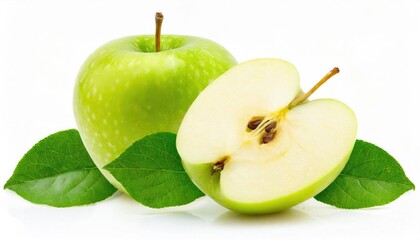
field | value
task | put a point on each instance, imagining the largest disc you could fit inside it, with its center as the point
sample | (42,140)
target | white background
(374,43)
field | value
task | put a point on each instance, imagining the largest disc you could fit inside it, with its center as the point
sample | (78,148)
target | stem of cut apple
(158,20)
(305,96)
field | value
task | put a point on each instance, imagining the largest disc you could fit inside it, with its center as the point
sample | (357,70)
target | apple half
(250,146)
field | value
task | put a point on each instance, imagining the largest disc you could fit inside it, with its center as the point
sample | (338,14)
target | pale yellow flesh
(313,140)
(215,124)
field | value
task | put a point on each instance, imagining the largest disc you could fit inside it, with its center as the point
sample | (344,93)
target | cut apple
(253,143)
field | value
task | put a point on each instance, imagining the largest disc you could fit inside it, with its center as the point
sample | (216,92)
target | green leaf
(371,177)
(59,172)
(152,173)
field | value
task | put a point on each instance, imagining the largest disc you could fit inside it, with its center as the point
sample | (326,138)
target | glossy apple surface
(125,90)
(266,167)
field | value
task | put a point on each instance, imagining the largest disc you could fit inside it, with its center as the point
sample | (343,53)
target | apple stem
(305,96)
(158,20)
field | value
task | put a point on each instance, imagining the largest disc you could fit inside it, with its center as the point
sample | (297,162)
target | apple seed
(255,122)
(270,127)
(268,137)
(219,165)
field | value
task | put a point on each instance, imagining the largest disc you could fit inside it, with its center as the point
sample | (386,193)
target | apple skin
(211,186)
(125,90)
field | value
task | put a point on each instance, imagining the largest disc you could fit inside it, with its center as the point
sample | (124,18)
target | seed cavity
(219,166)
(266,130)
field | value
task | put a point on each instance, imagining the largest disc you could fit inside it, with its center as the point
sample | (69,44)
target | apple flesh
(125,90)
(243,144)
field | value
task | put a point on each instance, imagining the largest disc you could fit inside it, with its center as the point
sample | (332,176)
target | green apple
(254,143)
(126,90)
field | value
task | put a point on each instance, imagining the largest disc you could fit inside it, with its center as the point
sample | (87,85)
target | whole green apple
(126,90)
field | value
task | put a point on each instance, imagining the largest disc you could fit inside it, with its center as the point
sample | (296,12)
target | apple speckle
(111,145)
(131,63)
(92,65)
(201,63)
(105,135)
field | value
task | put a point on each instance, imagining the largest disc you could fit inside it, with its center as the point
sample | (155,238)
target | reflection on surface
(287,216)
